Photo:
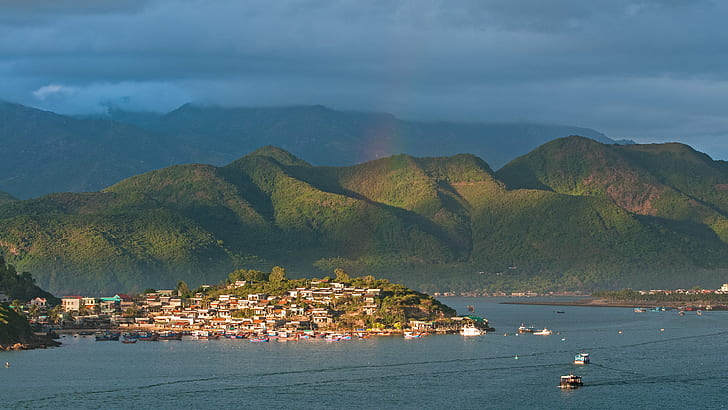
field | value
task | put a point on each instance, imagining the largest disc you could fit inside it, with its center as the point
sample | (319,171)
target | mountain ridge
(434,223)
(45,152)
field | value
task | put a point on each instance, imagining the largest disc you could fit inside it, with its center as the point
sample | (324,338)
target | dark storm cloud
(649,70)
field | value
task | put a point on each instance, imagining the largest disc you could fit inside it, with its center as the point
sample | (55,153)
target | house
(89,303)
(71,303)
(40,302)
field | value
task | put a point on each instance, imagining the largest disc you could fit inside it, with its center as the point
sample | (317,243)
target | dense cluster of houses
(298,309)
(721,291)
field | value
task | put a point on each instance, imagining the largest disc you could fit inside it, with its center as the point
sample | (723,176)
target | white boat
(543,332)
(471,330)
(581,358)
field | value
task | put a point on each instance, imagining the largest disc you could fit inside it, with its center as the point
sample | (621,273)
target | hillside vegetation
(572,214)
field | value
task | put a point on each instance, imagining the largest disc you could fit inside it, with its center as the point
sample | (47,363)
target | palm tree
(54,315)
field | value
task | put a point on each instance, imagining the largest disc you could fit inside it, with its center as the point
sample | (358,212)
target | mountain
(44,152)
(330,137)
(572,214)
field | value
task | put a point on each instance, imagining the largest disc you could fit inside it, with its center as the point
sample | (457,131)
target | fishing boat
(205,335)
(259,339)
(526,329)
(128,340)
(581,358)
(543,332)
(147,336)
(333,337)
(102,337)
(640,310)
(570,382)
(412,335)
(471,330)
(168,335)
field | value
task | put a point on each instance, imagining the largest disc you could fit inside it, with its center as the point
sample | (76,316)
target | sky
(648,70)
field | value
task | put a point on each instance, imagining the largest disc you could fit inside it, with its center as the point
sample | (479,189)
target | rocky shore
(34,342)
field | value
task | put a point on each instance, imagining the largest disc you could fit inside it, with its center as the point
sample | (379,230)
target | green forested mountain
(572,214)
(44,152)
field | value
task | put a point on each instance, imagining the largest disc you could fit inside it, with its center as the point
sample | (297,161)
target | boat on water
(128,340)
(259,339)
(332,337)
(107,335)
(570,382)
(543,332)
(147,336)
(412,335)
(167,335)
(698,312)
(205,335)
(471,330)
(526,329)
(581,358)
(640,310)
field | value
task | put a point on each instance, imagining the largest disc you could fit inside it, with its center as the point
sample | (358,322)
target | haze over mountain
(572,214)
(45,152)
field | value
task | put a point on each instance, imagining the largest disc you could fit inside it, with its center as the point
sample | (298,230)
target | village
(235,310)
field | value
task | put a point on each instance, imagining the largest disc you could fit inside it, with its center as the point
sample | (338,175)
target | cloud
(651,69)
(52,90)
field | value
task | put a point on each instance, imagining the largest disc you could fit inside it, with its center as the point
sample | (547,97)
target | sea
(638,361)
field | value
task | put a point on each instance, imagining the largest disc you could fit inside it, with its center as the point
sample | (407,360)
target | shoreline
(602,302)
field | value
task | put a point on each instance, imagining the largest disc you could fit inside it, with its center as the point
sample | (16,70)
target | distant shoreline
(601,302)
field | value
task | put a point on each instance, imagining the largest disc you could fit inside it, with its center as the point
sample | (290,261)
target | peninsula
(251,303)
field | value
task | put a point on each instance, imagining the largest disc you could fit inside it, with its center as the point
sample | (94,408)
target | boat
(681,313)
(471,330)
(581,358)
(259,339)
(698,312)
(147,336)
(334,337)
(640,310)
(412,335)
(543,332)
(570,382)
(167,335)
(526,329)
(205,335)
(128,340)
(106,336)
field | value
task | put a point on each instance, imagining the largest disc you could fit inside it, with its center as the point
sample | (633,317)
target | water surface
(682,366)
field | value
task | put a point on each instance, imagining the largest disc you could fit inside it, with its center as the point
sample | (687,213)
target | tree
(277,274)
(249,275)
(33,310)
(17,305)
(182,289)
(54,315)
(342,276)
